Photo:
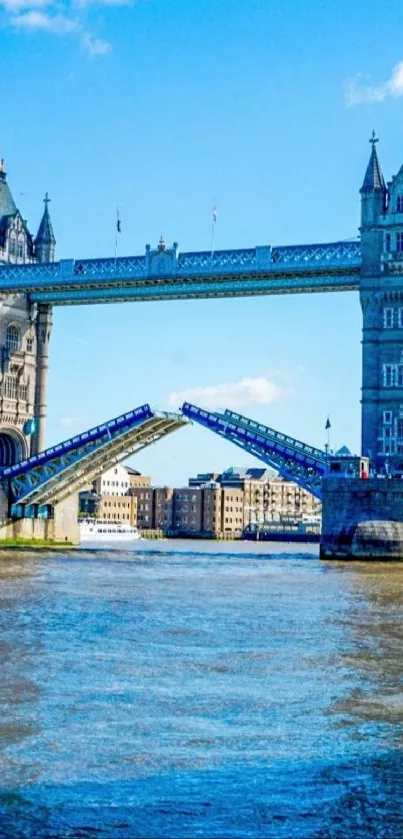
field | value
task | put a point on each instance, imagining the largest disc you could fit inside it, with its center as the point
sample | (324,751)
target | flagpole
(213,224)
(327,444)
(116,233)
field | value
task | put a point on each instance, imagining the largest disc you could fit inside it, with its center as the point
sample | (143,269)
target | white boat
(96,530)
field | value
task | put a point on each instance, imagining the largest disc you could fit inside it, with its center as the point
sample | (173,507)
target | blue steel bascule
(294,460)
(372,265)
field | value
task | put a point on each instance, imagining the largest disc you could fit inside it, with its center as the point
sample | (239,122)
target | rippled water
(182,690)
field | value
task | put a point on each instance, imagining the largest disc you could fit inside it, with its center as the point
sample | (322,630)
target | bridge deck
(167,275)
(62,470)
(294,464)
(307,451)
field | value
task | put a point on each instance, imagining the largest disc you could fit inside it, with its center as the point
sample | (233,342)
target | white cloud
(358,93)
(58,24)
(248,391)
(94,46)
(58,18)
(20,5)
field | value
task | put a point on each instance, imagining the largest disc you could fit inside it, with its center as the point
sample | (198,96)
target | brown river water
(180,689)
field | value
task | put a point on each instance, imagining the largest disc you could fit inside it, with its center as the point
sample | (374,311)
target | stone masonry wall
(362,519)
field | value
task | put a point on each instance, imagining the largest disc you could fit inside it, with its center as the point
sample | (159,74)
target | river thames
(200,689)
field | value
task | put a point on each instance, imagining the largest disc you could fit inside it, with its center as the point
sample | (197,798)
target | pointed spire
(374,180)
(7,205)
(45,234)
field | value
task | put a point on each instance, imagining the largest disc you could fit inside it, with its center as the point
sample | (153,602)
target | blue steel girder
(65,473)
(121,423)
(138,438)
(277,436)
(294,465)
(169,275)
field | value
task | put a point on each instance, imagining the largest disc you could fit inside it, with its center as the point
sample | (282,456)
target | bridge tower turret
(24,335)
(381,295)
(45,241)
(373,206)
(45,244)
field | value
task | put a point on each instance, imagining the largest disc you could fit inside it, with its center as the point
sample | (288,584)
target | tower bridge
(32,282)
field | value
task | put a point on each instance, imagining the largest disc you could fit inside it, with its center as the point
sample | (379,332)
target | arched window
(12,246)
(9,450)
(13,339)
(20,249)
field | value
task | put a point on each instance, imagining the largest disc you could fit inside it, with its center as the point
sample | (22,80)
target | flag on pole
(118,222)
(327,426)
(213,224)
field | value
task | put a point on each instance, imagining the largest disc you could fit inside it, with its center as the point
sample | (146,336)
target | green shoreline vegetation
(5,544)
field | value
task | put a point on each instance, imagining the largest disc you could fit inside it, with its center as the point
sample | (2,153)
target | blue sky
(264,108)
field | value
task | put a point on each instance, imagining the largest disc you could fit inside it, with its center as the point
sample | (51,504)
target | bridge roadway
(166,274)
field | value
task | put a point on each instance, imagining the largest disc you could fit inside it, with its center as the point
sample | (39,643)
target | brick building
(117,508)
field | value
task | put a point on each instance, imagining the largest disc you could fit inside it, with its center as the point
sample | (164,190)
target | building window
(399,375)
(30,344)
(388,318)
(399,428)
(399,204)
(399,242)
(13,338)
(387,417)
(388,375)
(12,246)
(400,318)
(23,392)
(387,242)
(20,250)
(10,387)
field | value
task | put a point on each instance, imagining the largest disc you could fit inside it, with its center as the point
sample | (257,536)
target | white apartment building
(115,481)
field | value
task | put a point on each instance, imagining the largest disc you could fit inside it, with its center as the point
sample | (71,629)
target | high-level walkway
(166,274)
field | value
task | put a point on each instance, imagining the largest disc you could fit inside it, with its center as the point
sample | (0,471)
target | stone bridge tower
(381,292)
(24,336)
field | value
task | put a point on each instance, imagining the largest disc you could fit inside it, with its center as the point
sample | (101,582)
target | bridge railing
(158,265)
(271,433)
(292,464)
(138,415)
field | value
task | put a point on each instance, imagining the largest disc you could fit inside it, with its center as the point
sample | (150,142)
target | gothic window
(23,392)
(12,246)
(30,343)
(387,241)
(399,204)
(388,318)
(10,387)
(388,375)
(399,242)
(20,250)
(13,338)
